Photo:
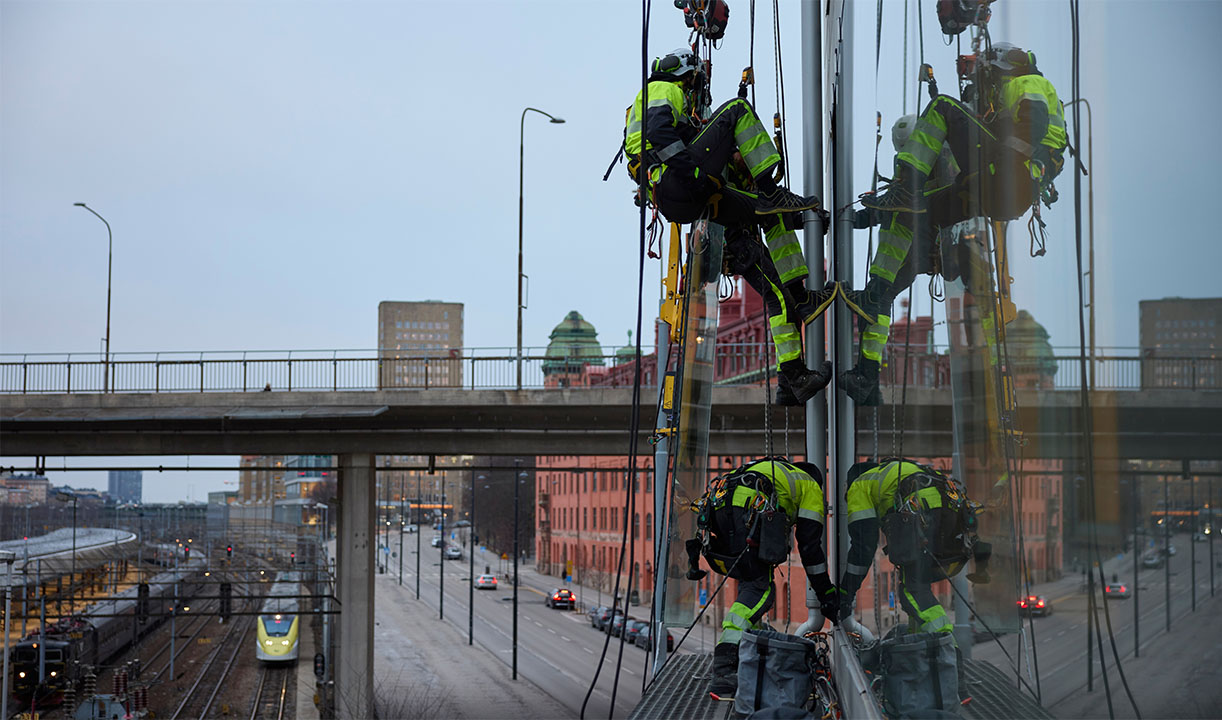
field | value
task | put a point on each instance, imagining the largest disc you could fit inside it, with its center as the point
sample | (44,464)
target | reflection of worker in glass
(1007,159)
(929,538)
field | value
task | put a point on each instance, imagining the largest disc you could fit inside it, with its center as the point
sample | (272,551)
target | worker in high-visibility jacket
(930,531)
(1007,158)
(744,545)
(702,169)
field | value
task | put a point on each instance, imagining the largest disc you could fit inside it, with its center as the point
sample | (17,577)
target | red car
(561,598)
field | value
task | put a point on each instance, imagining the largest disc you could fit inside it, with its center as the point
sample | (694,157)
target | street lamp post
(109,259)
(517,482)
(521,175)
(7,558)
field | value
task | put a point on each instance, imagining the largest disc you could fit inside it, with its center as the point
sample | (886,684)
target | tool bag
(774,670)
(918,528)
(919,675)
(742,542)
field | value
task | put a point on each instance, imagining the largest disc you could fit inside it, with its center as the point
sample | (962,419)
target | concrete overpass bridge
(357,425)
(1150,424)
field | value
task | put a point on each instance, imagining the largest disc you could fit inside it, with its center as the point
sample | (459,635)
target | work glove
(846,609)
(829,603)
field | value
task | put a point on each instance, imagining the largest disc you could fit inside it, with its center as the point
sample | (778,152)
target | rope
(636,383)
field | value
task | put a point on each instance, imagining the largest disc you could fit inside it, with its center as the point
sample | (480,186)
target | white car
(453,552)
(485,582)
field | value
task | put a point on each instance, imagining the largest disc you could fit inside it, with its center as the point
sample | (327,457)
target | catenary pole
(812,236)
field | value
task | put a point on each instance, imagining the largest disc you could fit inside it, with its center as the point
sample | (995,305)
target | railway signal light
(229,551)
(142,601)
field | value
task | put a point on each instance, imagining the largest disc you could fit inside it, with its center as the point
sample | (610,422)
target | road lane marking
(588,650)
(550,630)
(565,639)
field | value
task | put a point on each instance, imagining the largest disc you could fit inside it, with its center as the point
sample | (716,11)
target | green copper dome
(574,344)
(1030,351)
(626,354)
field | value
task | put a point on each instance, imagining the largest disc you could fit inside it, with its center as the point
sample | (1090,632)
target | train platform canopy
(53,551)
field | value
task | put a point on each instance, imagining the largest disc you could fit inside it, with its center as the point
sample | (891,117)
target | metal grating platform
(679,692)
(996,697)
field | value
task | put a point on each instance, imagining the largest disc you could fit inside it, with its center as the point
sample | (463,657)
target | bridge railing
(496,369)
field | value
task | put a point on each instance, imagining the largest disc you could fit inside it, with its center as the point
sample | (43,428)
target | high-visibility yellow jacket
(665,131)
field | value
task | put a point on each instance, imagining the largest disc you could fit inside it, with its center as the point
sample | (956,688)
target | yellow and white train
(279,623)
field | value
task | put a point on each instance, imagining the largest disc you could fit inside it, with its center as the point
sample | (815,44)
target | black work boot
(867,304)
(776,200)
(784,393)
(861,384)
(724,684)
(803,382)
(904,194)
(811,304)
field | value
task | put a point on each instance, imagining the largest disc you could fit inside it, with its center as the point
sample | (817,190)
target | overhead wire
(1084,390)
(643,179)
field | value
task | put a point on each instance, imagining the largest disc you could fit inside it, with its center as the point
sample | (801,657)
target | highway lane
(557,650)
(1060,639)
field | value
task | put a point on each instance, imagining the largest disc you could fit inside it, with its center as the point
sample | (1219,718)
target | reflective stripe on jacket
(665,121)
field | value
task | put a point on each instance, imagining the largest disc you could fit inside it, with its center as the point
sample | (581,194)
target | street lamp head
(557,121)
(78,204)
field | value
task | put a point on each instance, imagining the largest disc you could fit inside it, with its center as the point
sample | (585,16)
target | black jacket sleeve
(863,541)
(662,130)
(810,547)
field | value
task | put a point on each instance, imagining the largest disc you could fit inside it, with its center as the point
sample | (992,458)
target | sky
(273,170)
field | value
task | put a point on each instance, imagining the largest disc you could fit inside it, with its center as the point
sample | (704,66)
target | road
(557,650)
(1060,639)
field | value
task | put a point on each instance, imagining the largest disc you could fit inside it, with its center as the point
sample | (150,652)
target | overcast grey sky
(273,170)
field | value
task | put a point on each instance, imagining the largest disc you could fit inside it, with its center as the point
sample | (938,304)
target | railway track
(199,698)
(272,694)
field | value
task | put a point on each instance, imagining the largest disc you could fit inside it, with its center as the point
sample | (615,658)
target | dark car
(642,638)
(595,612)
(560,598)
(1034,605)
(617,625)
(632,629)
(606,619)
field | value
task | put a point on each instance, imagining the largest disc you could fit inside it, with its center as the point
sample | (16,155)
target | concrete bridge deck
(1168,424)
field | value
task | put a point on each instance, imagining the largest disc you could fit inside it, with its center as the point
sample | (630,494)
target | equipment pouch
(773,537)
(905,543)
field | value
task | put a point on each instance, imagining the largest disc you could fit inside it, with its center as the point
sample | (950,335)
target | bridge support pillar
(354,664)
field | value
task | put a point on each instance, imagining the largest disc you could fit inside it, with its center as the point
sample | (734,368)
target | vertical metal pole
(661,460)
(402,525)
(7,558)
(419,530)
(1213,530)
(1167,541)
(812,240)
(1192,536)
(471,567)
(42,628)
(1136,584)
(521,176)
(174,616)
(517,463)
(72,582)
(1090,620)
(843,409)
(441,566)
